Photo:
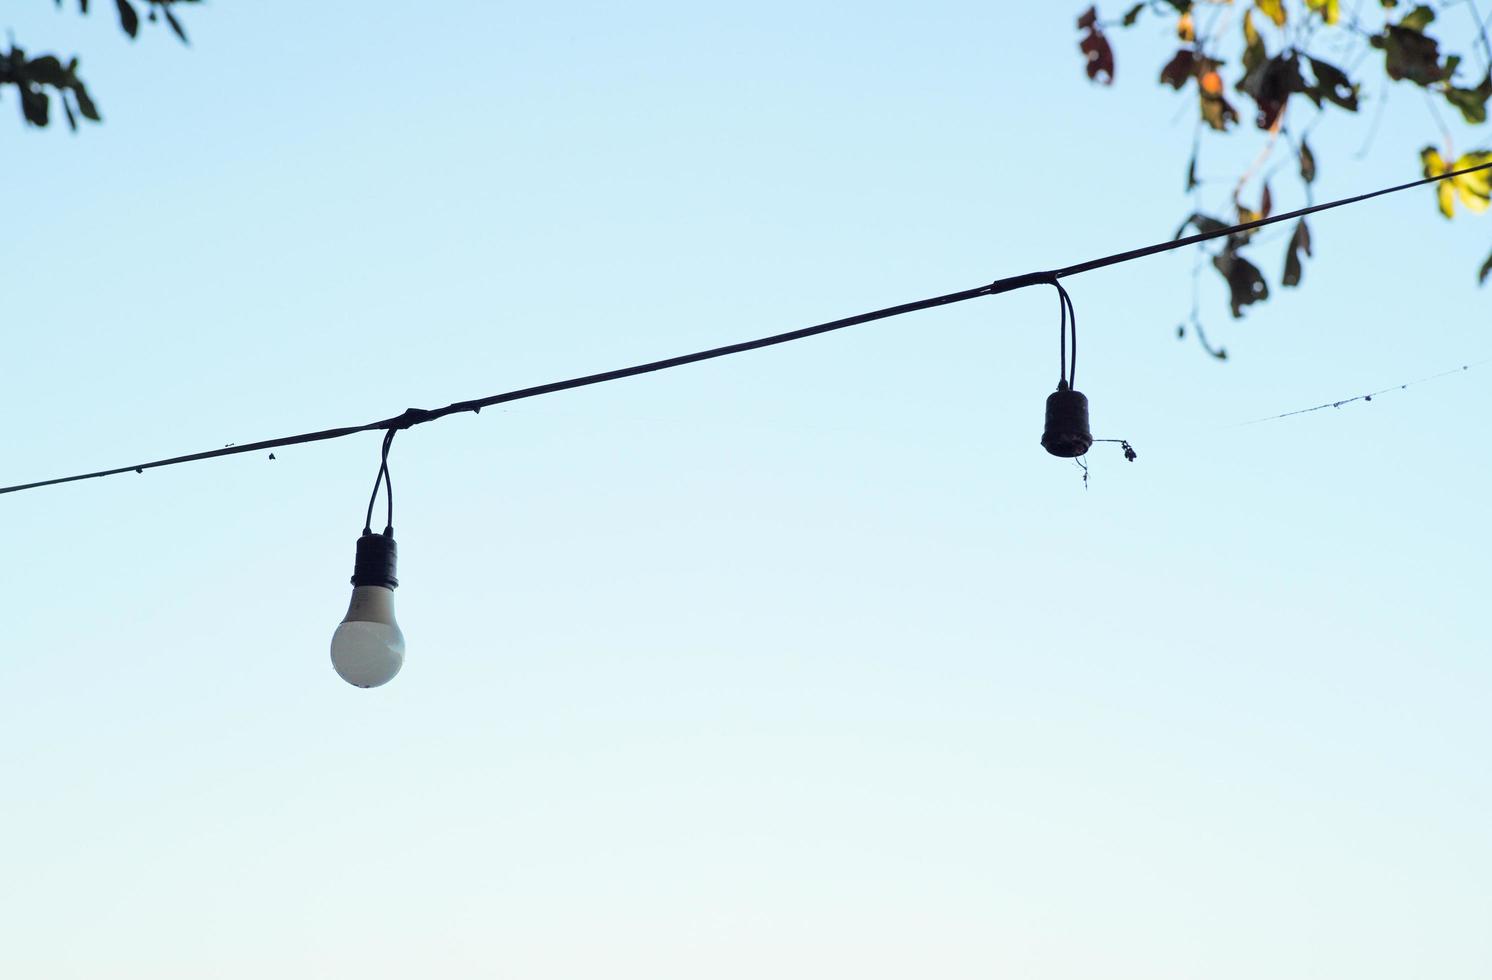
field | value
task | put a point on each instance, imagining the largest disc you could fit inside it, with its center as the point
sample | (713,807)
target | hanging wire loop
(388,486)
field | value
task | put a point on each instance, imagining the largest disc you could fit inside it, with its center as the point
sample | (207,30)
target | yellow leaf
(1185,28)
(1250,32)
(1330,10)
(1475,189)
(1434,165)
(1274,10)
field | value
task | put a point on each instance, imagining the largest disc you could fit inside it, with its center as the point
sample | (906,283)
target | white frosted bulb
(368,647)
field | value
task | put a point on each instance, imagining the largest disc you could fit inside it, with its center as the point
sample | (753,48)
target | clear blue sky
(806,663)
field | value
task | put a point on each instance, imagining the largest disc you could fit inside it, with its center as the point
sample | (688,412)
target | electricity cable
(418,416)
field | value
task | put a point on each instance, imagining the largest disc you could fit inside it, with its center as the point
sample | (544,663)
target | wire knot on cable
(411,417)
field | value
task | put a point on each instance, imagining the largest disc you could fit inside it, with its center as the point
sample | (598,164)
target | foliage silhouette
(37,79)
(1284,57)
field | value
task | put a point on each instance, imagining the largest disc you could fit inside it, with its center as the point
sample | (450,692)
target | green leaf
(1472,101)
(1409,55)
(1254,53)
(1418,19)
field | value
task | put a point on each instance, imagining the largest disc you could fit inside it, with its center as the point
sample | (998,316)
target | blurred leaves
(1285,61)
(1409,53)
(1246,284)
(1307,163)
(1330,10)
(39,80)
(1096,49)
(1474,189)
(1300,243)
(33,77)
(1472,102)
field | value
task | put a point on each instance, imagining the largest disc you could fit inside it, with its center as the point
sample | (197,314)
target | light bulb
(368,647)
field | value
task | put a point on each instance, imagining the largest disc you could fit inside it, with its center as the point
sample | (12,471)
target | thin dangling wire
(1069,326)
(1062,332)
(388,485)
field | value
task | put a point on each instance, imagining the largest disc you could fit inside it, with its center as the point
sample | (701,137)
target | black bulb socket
(377,561)
(1067,434)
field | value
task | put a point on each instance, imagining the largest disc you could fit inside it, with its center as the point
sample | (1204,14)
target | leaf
(1271,84)
(46,70)
(175,25)
(1434,165)
(1472,101)
(1205,224)
(1333,85)
(72,120)
(1307,163)
(128,19)
(1179,69)
(1486,270)
(1408,54)
(85,104)
(1186,29)
(1474,189)
(1299,242)
(34,104)
(1132,14)
(1330,10)
(1274,10)
(1418,19)
(1217,112)
(1095,47)
(1246,284)
(1254,53)
(1191,172)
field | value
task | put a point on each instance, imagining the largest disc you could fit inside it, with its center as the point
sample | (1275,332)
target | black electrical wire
(418,416)
(1069,328)
(388,485)
(1061,335)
